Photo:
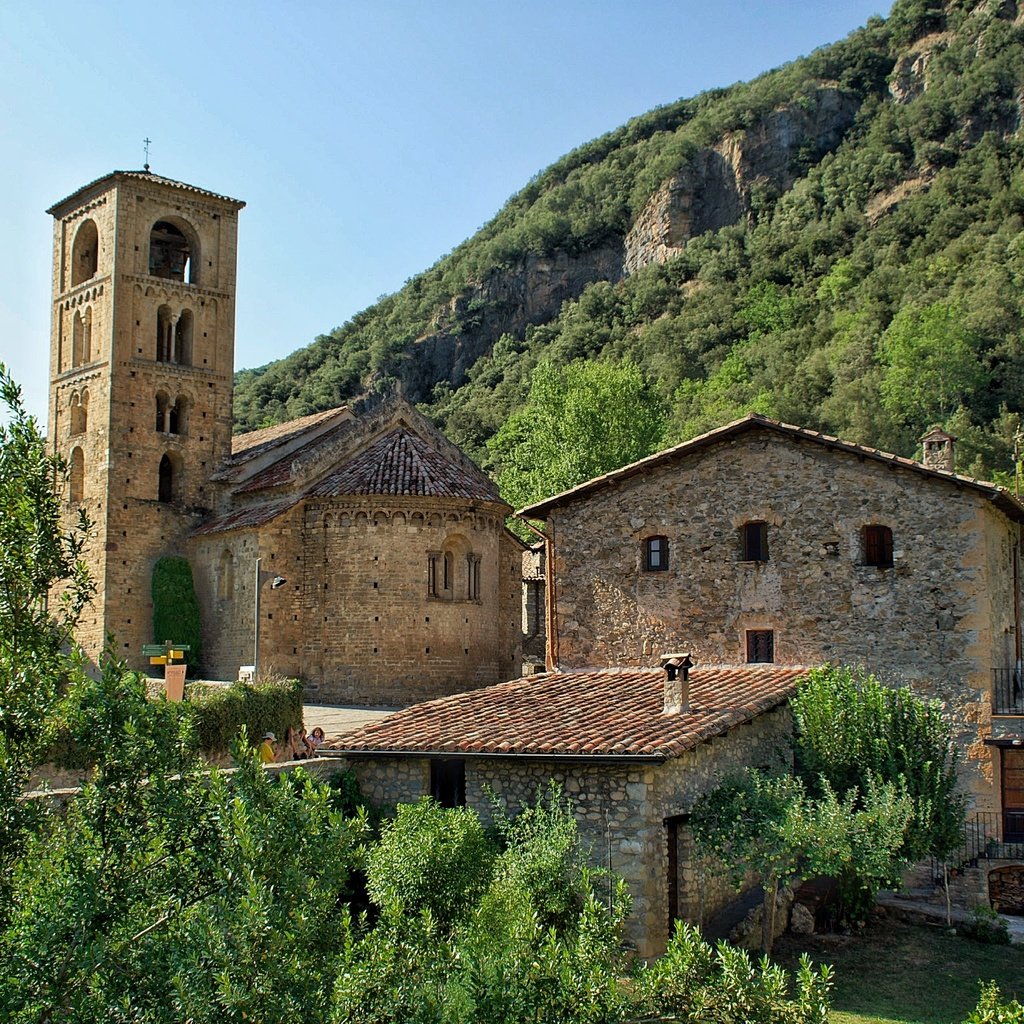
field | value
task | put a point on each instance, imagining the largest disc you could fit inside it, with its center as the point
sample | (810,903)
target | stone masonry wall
(355,620)
(940,618)
(620,809)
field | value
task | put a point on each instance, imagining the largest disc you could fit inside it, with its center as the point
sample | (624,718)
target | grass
(895,973)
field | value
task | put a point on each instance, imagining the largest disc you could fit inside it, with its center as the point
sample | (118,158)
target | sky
(367,137)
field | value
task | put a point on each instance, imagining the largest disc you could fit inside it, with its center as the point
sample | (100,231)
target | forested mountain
(839,244)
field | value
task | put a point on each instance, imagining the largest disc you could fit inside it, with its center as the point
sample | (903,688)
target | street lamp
(275,582)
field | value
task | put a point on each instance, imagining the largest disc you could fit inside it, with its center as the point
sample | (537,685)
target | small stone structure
(630,758)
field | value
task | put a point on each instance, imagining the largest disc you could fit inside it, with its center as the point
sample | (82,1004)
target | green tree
(852,729)
(579,421)
(932,364)
(44,586)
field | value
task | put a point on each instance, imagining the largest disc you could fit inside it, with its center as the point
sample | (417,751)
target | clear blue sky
(368,137)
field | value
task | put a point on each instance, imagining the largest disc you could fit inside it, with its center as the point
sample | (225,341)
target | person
(266,750)
(295,744)
(316,741)
(306,749)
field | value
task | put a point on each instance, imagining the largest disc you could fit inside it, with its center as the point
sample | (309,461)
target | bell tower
(141,364)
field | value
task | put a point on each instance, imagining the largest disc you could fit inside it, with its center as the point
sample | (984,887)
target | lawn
(896,973)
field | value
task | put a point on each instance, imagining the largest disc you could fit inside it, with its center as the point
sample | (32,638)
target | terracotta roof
(598,713)
(401,462)
(755,421)
(142,176)
(242,518)
(255,442)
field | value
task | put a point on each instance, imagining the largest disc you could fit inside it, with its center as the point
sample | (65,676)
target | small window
(165,487)
(760,646)
(448,782)
(473,577)
(754,538)
(656,554)
(76,481)
(878,546)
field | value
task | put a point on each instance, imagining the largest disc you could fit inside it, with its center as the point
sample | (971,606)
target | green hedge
(217,713)
(176,609)
(221,712)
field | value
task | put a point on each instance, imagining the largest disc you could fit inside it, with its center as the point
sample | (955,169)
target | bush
(176,609)
(991,1009)
(219,714)
(694,981)
(988,927)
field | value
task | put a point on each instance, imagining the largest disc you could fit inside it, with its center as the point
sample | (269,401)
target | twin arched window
(171,418)
(174,336)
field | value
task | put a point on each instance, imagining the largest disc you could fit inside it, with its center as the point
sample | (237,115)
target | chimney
(937,450)
(677,682)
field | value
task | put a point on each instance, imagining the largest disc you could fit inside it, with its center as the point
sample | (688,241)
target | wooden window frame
(760,646)
(877,545)
(656,553)
(754,541)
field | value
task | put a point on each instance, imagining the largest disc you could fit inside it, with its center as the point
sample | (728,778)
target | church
(391,576)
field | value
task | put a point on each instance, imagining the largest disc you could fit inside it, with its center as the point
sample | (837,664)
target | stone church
(393,576)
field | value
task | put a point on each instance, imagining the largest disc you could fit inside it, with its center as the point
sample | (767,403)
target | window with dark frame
(760,646)
(448,781)
(473,577)
(878,546)
(656,554)
(754,538)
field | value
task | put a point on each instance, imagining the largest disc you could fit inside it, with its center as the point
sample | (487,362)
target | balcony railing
(1007,692)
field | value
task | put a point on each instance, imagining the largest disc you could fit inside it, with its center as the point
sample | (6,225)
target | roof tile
(617,712)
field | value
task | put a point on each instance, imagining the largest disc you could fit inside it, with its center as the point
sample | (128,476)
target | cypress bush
(176,609)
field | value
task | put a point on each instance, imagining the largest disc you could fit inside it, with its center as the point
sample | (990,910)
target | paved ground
(337,719)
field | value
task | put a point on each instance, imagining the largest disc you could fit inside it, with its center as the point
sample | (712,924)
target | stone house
(762,542)
(394,577)
(631,748)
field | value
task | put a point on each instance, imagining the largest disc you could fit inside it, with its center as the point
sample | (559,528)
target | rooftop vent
(677,682)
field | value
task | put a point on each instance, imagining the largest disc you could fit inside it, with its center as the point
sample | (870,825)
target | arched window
(878,546)
(179,416)
(163,422)
(173,253)
(225,575)
(182,349)
(80,413)
(85,253)
(164,334)
(165,487)
(76,482)
(87,335)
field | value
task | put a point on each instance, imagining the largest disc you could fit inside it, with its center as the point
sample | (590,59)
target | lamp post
(275,582)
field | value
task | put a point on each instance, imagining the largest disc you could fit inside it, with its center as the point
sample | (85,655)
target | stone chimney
(677,682)
(937,450)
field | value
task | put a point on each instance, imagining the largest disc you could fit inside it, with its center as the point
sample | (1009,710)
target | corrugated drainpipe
(550,634)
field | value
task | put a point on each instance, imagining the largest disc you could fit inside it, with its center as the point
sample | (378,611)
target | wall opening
(85,253)
(173,255)
(76,480)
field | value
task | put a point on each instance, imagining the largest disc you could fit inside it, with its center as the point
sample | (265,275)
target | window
(432,559)
(878,546)
(473,577)
(85,253)
(448,782)
(165,488)
(80,413)
(171,253)
(754,539)
(760,646)
(77,476)
(656,554)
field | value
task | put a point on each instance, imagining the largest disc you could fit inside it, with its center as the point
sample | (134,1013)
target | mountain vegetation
(838,243)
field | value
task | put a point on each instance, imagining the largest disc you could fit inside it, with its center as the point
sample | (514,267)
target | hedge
(221,712)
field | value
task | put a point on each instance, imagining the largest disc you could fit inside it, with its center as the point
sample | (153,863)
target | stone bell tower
(141,363)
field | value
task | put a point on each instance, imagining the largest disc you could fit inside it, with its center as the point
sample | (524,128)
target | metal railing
(987,835)
(1007,692)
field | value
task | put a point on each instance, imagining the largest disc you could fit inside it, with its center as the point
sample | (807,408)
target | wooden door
(1013,794)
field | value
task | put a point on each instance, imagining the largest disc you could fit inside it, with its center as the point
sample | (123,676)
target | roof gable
(1002,498)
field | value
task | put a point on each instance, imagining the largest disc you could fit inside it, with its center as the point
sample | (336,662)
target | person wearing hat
(267,748)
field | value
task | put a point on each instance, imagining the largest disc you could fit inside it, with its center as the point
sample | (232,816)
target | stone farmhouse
(762,543)
(395,578)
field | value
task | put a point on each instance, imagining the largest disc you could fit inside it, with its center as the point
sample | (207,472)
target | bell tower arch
(141,369)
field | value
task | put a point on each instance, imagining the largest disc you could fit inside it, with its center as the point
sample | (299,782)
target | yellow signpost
(172,657)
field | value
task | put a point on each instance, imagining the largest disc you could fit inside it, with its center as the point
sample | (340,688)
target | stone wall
(621,810)
(940,618)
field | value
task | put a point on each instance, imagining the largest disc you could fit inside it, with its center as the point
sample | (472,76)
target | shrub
(992,1010)
(219,714)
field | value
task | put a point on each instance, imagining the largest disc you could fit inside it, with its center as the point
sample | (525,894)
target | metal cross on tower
(146,143)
